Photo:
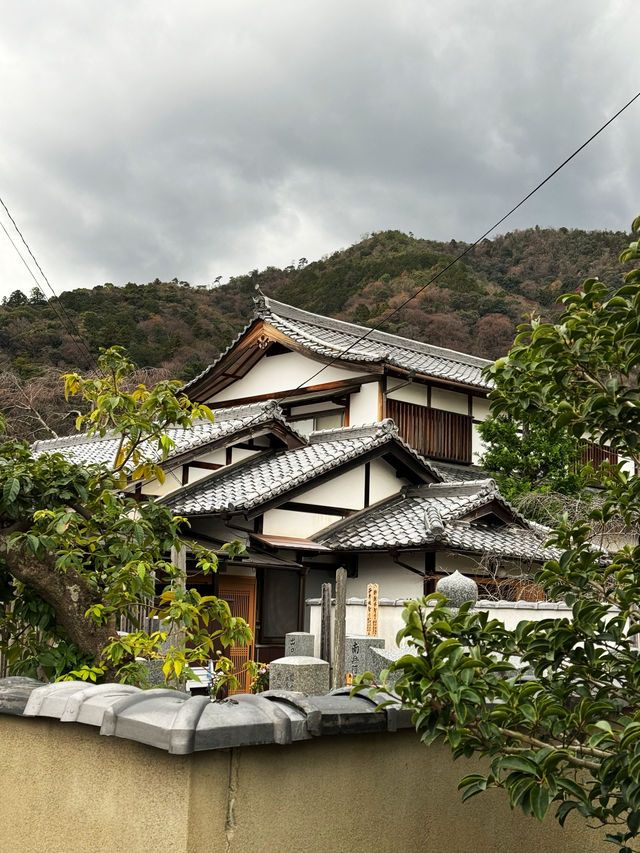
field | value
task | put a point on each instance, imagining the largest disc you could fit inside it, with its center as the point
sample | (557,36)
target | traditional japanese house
(331,450)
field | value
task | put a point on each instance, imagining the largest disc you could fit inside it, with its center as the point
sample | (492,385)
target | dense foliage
(554,704)
(537,455)
(77,554)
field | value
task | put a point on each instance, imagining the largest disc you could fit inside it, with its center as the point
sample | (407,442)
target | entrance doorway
(240,593)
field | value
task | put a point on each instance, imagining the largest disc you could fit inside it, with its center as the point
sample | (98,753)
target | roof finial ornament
(260,302)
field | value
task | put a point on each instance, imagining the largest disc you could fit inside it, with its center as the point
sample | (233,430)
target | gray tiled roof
(85,450)
(329,338)
(256,480)
(452,473)
(417,517)
(337,339)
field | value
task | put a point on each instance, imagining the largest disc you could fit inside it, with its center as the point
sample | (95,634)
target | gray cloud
(145,138)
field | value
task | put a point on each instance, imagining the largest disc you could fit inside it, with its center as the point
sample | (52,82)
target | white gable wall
(384,482)
(284,522)
(393,580)
(364,405)
(450,401)
(412,392)
(480,408)
(282,372)
(345,489)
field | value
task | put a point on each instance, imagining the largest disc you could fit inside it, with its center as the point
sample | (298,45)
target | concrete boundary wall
(350,780)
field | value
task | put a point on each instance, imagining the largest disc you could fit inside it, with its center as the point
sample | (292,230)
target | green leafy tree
(554,705)
(537,455)
(77,553)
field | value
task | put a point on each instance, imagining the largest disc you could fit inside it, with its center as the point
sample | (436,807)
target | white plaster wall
(393,580)
(196,474)
(344,490)
(238,453)
(414,392)
(172,482)
(363,405)
(215,456)
(627,465)
(279,373)
(450,401)
(390,617)
(284,522)
(480,408)
(383,481)
(478,446)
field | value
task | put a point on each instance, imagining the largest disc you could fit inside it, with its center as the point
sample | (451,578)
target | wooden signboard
(372,610)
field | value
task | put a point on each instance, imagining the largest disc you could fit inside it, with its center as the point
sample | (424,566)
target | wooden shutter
(240,593)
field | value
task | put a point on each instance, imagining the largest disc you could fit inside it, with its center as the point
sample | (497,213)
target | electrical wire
(77,338)
(421,289)
(471,246)
(455,260)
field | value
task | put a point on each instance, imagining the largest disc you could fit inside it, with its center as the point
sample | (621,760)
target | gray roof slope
(95,449)
(330,337)
(431,514)
(340,340)
(452,473)
(256,480)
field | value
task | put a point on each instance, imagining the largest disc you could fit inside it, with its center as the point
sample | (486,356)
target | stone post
(340,629)
(325,623)
(299,643)
(357,653)
(300,674)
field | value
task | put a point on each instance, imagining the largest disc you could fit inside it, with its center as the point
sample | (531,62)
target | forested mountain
(475,306)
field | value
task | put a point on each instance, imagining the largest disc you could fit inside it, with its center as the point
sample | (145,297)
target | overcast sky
(144,139)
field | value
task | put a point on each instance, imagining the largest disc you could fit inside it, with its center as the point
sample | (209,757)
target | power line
(70,326)
(462,254)
(81,351)
(472,245)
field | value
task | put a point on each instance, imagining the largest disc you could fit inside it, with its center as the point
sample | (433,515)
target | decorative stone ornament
(458,589)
